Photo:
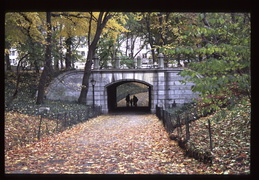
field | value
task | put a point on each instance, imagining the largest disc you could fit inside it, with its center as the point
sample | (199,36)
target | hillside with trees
(215,48)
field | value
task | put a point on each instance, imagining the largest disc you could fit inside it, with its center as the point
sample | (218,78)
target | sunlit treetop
(20,26)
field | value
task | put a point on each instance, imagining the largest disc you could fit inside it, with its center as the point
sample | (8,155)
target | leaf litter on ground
(231,136)
(108,144)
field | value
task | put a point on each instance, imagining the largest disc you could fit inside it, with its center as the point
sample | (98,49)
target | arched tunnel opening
(118,92)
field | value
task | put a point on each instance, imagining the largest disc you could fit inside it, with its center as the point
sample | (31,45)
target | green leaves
(201,16)
(225,61)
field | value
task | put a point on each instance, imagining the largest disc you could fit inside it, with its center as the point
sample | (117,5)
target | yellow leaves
(24,168)
(113,25)
(71,23)
(113,28)
(18,161)
(180,165)
(129,144)
(6,51)
(20,25)
(175,31)
(122,18)
(21,129)
(138,16)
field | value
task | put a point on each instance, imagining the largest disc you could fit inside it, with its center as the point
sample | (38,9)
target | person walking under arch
(127,100)
(135,101)
(131,102)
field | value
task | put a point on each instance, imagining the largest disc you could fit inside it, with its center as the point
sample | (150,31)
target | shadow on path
(130,110)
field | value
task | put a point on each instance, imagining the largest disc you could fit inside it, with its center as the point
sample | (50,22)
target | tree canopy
(222,71)
(216,46)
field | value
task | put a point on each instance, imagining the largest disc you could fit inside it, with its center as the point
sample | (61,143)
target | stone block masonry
(164,84)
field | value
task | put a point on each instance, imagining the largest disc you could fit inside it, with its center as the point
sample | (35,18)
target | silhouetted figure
(174,104)
(127,100)
(131,102)
(135,101)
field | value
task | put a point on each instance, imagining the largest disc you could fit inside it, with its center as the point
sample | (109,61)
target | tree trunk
(85,83)
(56,59)
(7,58)
(37,69)
(152,47)
(68,53)
(179,60)
(7,62)
(17,81)
(153,54)
(161,39)
(150,39)
(133,40)
(47,66)
(101,22)
(87,72)
(36,63)
(127,44)
(56,65)
(61,60)
(61,53)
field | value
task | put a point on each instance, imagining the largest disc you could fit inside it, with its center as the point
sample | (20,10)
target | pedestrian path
(108,144)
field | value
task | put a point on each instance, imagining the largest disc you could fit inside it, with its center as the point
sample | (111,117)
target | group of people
(131,102)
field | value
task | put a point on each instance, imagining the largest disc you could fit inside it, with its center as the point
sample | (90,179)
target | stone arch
(164,84)
(65,86)
(112,94)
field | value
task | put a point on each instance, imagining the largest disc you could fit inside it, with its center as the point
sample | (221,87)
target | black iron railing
(176,119)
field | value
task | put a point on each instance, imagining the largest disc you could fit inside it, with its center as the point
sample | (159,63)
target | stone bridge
(163,84)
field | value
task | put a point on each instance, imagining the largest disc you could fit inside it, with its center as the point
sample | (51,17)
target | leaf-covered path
(108,144)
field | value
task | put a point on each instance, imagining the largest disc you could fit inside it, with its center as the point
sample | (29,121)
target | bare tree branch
(17,81)
(72,15)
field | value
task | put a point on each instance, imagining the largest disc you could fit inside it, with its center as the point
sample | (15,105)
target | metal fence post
(210,135)
(165,119)
(178,125)
(65,123)
(87,114)
(42,110)
(163,112)
(187,127)
(156,112)
(171,127)
(78,116)
(68,118)
(57,122)
(160,113)
(39,127)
